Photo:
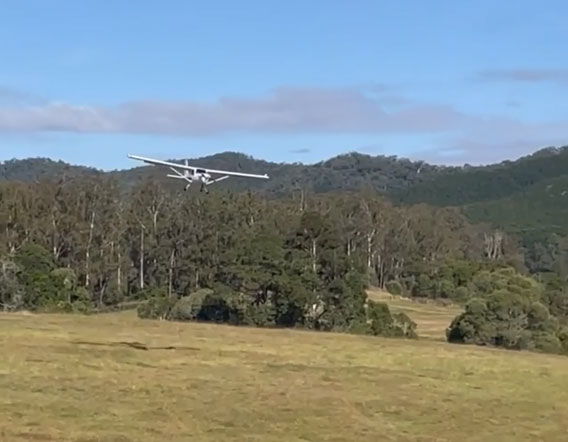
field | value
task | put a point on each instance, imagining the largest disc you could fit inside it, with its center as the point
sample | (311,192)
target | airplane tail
(186,171)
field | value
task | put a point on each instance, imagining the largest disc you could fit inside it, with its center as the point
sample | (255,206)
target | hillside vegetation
(134,380)
(77,245)
(345,172)
(459,186)
(538,216)
(507,195)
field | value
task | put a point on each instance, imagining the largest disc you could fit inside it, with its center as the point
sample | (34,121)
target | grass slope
(221,383)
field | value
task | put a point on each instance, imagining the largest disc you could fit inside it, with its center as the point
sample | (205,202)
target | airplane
(193,174)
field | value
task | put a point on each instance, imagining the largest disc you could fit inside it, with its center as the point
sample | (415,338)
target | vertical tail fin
(186,172)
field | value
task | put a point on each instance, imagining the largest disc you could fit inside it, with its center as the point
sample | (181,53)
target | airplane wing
(183,166)
(160,163)
(226,172)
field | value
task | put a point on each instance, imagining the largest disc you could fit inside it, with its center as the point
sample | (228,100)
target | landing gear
(204,189)
(186,188)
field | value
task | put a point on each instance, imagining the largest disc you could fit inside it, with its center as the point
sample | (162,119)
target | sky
(296,81)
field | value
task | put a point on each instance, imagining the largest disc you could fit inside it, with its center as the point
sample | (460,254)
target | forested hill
(39,169)
(459,186)
(401,179)
(345,172)
(528,197)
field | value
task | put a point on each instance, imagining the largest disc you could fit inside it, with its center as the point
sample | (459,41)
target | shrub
(404,326)
(394,287)
(188,307)
(508,320)
(563,338)
(446,288)
(547,342)
(157,306)
(383,323)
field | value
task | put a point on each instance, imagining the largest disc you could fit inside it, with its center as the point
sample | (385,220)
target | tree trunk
(141,257)
(102,294)
(119,273)
(88,253)
(370,237)
(314,255)
(171,272)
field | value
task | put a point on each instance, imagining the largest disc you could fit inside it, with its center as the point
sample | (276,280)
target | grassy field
(71,378)
(431,319)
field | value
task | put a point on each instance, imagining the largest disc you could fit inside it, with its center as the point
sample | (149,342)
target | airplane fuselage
(199,176)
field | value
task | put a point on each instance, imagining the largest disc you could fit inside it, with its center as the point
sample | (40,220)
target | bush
(472,326)
(382,323)
(394,287)
(81,307)
(547,342)
(404,326)
(188,307)
(446,288)
(508,320)
(157,306)
(563,338)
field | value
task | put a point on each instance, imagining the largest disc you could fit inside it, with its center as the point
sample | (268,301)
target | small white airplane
(193,174)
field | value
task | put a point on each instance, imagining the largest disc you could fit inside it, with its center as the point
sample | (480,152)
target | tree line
(305,261)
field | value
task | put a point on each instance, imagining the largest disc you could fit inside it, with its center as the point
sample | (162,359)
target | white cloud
(494,140)
(286,110)
(357,110)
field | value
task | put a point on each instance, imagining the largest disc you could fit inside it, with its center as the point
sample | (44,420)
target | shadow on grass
(135,345)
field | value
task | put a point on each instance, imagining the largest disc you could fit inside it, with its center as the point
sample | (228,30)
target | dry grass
(431,319)
(238,384)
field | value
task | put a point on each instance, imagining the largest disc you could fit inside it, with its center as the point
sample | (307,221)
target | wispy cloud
(494,140)
(372,149)
(285,110)
(357,110)
(513,103)
(14,97)
(559,76)
(300,151)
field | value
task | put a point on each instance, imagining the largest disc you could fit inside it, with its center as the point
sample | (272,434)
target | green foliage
(461,280)
(457,186)
(33,258)
(507,319)
(157,304)
(563,338)
(555,297)
(394,287)
(188,307)
(33,281)
(525,198)
(12,291)
(383,323)
(302,260)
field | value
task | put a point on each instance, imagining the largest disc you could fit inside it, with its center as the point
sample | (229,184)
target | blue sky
(447,82)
